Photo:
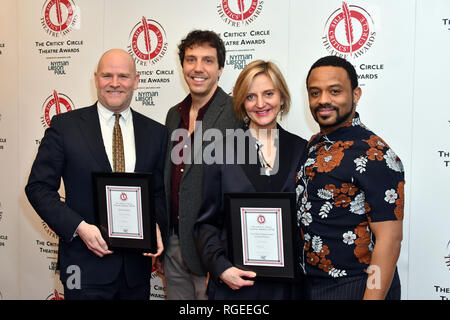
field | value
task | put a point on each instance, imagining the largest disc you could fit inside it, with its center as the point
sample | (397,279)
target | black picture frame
(142,183)
(235,203)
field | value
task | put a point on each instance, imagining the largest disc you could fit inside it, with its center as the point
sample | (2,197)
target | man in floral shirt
(349,195)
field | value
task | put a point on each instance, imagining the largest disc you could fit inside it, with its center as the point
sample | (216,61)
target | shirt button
(182,170)
(185,146)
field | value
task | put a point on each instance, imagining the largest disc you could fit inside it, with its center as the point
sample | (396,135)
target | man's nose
(198,67)
(324,98)
(114,81)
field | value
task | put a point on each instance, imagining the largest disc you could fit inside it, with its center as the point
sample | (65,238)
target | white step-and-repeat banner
(49,50)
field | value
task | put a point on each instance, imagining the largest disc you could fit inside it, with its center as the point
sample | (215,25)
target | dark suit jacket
(219,115)
(210,231)
(72,148)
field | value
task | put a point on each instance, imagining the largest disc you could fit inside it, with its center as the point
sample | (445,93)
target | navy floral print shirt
(349,178)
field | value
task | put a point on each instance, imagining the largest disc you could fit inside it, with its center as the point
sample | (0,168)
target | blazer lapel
(90,128)
(172,123)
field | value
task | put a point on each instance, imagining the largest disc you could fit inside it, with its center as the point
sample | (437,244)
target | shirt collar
(355,121)
(185,106)
(107,114)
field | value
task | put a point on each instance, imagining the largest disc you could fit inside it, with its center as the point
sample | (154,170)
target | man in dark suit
(202,57)
(79,143)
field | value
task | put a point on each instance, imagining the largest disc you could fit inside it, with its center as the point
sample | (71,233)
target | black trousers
(347,288)
(117,290)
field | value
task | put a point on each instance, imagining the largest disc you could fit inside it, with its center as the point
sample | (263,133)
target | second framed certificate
(262,233)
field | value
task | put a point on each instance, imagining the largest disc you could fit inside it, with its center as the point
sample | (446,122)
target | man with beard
(350,195)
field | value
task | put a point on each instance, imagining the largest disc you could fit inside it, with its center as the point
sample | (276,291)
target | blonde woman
(266,163)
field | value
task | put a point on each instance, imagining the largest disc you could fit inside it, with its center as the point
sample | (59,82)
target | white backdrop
(399,48)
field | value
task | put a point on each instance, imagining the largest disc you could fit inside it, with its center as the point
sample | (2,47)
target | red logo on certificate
(123,196)
(261,219)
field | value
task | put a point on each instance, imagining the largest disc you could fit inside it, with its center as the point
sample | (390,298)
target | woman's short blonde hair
(243,82)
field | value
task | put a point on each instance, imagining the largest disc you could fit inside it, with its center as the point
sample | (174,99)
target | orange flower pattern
(350,178)
(400,202)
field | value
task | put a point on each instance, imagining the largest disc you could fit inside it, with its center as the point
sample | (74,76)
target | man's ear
(356,95)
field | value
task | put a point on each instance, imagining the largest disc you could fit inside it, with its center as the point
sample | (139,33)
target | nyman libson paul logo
(239,13)
(147,42)
(59,17)
(349,32)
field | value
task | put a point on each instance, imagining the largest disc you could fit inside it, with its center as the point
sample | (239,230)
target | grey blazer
(220,115)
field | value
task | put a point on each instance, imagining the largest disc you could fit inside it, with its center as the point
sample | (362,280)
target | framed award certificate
(125,210)
(262,233)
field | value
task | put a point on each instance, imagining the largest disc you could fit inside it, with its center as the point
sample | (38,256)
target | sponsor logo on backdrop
(447,257)
(48,230)
(55,104)
(58,54)
(3,240)
(445,157)
(59,17)
(2,142)
(349,32)
(3,237)
(55,295)
(148,44)
(48,247)
(2,47)
(442,292)
(446,23)
(238,13)
(241,44)
(157,289)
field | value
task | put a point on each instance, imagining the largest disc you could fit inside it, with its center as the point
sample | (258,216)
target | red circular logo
(55,296)
(261,219)
(58,14)
(235,12)
(55,104)
(243,11)
(148,41)
(123,196)
(349,31)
